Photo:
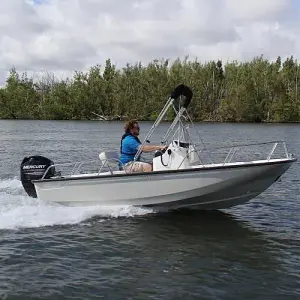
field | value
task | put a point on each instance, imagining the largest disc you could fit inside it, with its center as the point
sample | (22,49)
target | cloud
(67,35)
(257,10)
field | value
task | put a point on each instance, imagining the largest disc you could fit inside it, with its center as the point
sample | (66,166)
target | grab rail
(238,148)
(77,166)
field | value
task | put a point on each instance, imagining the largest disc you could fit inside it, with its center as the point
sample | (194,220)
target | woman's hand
(163,148)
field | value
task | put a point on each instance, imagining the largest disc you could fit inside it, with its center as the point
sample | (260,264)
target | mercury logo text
(34,167)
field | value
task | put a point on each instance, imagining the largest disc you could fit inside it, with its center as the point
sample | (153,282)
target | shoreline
(151,121)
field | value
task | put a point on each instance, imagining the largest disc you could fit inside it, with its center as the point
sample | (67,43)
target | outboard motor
(33,168)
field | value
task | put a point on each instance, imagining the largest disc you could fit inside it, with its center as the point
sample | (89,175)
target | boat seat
(109,158)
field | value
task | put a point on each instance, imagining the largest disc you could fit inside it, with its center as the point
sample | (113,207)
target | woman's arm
(151,148)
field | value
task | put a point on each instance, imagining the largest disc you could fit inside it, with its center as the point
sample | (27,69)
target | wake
(17,210)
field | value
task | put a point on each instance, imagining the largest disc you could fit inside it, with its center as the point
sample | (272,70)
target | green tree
(254,91)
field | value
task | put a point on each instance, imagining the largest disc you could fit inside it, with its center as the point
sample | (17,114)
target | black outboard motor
(33,168)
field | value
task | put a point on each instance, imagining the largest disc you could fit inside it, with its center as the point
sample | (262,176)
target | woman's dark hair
(130,124)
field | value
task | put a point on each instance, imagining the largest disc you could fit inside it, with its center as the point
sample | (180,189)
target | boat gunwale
(169,172)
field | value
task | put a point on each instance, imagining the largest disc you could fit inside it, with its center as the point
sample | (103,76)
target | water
(54,252)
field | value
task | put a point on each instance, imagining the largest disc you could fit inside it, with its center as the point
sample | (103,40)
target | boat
(186,174)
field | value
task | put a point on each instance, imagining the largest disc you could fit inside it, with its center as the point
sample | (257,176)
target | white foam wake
(17,210)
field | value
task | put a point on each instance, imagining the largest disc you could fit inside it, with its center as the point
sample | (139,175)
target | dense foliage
(255,91)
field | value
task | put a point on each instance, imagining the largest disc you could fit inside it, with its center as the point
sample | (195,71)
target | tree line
(256,91)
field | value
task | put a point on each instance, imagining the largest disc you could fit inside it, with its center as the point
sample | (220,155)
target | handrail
(249,144)
(272,151)
(77,166)
(235,149)
(238,146)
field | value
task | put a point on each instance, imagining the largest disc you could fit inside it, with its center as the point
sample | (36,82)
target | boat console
(179,155)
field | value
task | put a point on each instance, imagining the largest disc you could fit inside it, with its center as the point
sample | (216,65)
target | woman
(130,145)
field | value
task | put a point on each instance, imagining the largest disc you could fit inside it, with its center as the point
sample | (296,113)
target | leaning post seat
(109,158)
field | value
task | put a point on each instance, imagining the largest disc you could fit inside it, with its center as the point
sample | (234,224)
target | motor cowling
(33,168)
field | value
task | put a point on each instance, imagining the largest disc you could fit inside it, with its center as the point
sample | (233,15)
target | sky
(62,36)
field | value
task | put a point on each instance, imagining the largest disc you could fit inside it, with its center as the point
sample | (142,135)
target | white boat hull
(213,187)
